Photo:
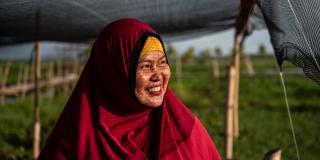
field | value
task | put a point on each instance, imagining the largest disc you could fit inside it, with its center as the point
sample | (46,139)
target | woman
(122,107)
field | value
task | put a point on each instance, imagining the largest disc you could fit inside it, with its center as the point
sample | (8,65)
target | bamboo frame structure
(23,88)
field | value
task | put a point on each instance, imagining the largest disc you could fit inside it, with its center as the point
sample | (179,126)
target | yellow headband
(151,44)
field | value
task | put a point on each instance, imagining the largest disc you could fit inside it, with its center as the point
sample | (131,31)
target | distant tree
(188,55)
(204,56)
(171,52)
(218,52)
(262,50)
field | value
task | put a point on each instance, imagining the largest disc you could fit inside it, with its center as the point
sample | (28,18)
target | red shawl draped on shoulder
(103,120)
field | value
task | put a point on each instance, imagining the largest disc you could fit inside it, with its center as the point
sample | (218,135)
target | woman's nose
(155,77)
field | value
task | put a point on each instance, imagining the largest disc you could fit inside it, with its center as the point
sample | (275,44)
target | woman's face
(152,78)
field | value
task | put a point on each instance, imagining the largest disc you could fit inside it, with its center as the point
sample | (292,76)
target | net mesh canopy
(74,20)
(294,26)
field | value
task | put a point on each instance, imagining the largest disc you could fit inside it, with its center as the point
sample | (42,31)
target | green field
(263,118)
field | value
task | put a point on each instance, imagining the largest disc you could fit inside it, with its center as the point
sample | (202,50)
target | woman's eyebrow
(164,56)
(148,60)
(144,60)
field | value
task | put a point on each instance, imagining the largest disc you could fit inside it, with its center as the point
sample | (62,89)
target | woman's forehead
(153,55)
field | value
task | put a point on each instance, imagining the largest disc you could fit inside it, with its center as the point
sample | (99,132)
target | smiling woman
(122,107)
(152,74)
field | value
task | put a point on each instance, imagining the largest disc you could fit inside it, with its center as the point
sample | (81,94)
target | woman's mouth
(155,91)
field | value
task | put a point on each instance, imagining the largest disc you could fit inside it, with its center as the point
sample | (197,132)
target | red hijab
(103,120)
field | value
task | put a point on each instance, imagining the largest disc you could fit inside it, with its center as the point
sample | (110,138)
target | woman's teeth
(154,89)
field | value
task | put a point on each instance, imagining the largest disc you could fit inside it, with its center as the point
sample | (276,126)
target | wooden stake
(215,70)
(74,70)
(229,116)
(249,66)
(37,76)
(232,126)
(1,75)
(24,82)
(236,80)
(19,79)
(59,72)
(178,72)
(4,80)
(50,90)
(65,85)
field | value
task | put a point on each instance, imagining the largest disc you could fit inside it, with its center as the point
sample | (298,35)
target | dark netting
(294,26)
(74,20)
(256,21)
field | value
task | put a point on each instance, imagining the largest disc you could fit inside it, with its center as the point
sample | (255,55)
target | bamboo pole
(75,66)
(19,80)
(37,76)
(24,81)
(50,90)
(60,72)
(178,72)
(215,70)
(232,123)
(3,84)
(1,74)
(249,66)
(234,76)
(229,116)
(65,85)
(232,127)
(75,70)
(237,49)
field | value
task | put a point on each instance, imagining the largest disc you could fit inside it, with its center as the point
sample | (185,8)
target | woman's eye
(145,66)
(164,61)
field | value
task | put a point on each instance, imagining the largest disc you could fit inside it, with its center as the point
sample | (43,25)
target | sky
(223,39)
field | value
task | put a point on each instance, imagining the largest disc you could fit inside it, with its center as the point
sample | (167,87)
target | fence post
(60,73)
(19,80)
(179,72)
(64,75)
(37,77)
(215,70)
(3,84)
(249,66)
(50,90)
(24,82)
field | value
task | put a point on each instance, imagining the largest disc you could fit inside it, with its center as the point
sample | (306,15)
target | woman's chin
(154,104)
